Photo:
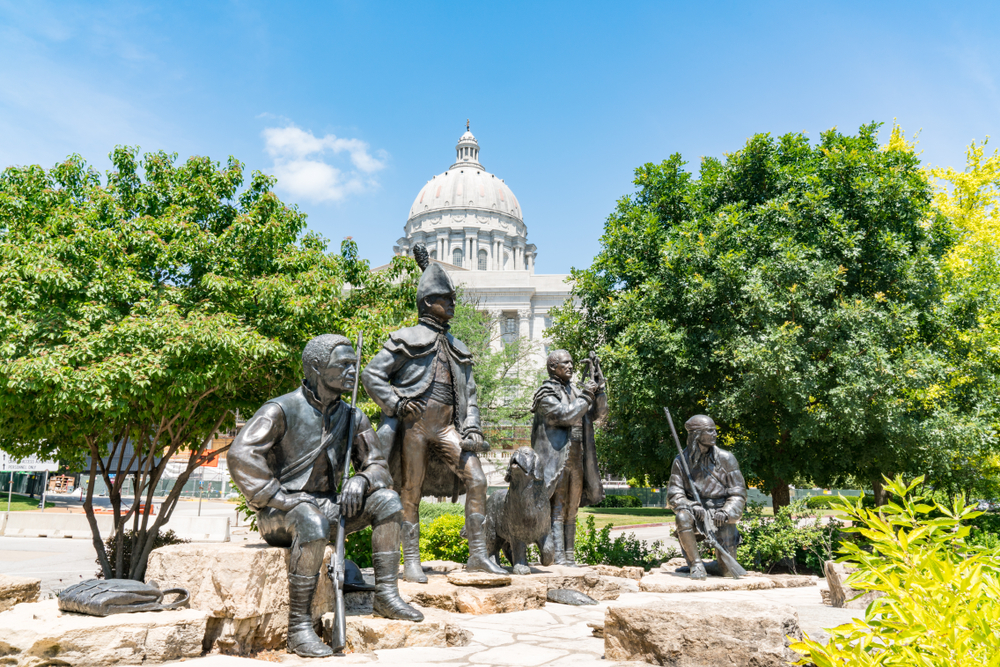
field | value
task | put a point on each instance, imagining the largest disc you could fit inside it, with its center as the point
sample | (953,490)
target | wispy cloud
(319,169)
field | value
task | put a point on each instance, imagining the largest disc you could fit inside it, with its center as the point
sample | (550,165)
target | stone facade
(472,224)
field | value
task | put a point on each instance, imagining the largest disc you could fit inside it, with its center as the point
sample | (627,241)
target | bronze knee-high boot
(479,560)
(569,547)
(412,571)
(559,541)
(302,638)
(388,604)
(689,545)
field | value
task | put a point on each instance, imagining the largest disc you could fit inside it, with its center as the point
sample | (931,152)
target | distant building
(472,223)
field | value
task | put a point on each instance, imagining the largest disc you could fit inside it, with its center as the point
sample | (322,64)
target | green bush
(595,547)
(441,539)
(984,531)
(939,603)
(620,501)
(163,538)
(829,502)
(785,540)
(358,547)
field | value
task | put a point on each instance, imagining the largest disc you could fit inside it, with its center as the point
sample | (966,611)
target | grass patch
(22,504)
(626,516)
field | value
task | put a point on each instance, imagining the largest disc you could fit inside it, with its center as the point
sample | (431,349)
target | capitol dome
(468,217)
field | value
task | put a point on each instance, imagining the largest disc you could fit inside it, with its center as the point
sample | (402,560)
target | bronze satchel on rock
(102,597)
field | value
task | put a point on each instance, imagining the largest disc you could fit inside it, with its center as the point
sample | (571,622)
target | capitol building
(472,224)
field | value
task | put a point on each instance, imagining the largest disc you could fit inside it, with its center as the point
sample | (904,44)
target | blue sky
(354,105)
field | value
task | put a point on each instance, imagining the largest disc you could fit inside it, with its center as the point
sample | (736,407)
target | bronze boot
(479,560)
(412,571)
(689,546)
(559,542)
(388,604)
(569,551)
(302,638)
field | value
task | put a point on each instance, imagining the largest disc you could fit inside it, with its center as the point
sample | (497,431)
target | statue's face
(707,438)
(561,367)
(441,306)
(339,375)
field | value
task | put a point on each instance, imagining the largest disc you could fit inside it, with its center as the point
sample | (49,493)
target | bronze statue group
(290,458)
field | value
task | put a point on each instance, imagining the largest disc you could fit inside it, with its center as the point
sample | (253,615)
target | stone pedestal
(738,633)
(15,590)
(366,634)
(522,593)
(244,591)
(35,634)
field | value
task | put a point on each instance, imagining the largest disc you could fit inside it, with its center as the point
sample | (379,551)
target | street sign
(29,464)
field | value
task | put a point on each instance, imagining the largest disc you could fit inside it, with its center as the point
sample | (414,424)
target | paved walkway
(555,636)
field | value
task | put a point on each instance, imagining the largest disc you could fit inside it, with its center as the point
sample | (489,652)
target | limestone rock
(36,634)
(627,572)
(439,593)
(366,634)
(485,579)
(15,590)
(681,583)
(842,595)
(244,590)
(736,633)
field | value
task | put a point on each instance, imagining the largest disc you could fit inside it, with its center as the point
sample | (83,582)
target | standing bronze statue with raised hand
(719,486)
(563,436)
(288,462)
(422,379)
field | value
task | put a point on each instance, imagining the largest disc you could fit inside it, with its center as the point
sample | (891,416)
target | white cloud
(302,163)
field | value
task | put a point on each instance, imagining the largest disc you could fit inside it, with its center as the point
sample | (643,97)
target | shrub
(163,538)
(939,604)
(831,502)
(595,547)
(441,539)
(620,501)
(791,538)
(357,547)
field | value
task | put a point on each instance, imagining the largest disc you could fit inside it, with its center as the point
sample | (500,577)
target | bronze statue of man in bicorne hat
(422,379)
(722,490)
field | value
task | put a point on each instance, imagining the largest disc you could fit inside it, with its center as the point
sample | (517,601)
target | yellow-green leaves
(940,603)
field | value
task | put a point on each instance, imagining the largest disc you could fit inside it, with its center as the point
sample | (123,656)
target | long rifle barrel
(337,566)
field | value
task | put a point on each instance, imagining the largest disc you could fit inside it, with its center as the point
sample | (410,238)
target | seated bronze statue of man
(723,492)
(288,461)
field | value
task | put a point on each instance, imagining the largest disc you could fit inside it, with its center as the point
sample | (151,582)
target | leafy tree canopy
(146,308)
(791,291)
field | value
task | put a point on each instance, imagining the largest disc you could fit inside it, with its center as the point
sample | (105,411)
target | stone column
(524,323)
(497,254)
(531,263)
(496,328)
(475,252)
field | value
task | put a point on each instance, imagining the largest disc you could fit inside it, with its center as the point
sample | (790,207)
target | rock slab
(366,634)
(15,590)
(484,579)
(735,633)
(681,583)
(244,590)
(439,593)
(842,595)
(585,580)
(39,634)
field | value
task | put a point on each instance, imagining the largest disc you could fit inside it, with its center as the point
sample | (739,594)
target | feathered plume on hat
(434,281)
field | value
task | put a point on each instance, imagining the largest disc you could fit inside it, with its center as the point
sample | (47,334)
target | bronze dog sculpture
(522,514)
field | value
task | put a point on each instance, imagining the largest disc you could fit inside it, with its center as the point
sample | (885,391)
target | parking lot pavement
(57,562)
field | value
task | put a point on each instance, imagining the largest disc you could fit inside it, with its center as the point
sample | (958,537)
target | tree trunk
(881,495)
(779,495)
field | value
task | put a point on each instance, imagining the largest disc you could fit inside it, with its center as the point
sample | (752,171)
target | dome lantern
(467,150)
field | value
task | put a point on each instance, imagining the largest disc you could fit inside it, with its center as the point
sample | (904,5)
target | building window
(484,258)
(456,257)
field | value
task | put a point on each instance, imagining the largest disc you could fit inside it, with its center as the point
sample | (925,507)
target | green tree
(792,292)
(145,309)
